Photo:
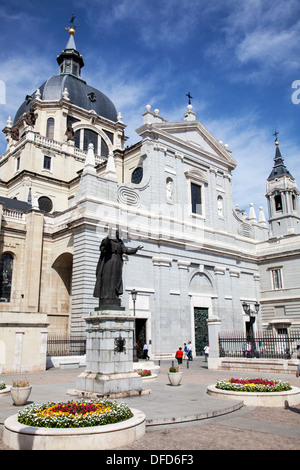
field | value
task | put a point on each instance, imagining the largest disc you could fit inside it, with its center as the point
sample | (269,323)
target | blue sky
(238,58)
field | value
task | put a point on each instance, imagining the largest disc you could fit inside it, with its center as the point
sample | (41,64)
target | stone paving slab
(186,411)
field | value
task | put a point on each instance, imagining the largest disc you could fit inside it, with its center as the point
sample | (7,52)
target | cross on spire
(189,97)
(276,134)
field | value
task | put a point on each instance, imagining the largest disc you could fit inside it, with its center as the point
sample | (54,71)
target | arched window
(84,137)
(50,128)
(197,182)
(6,270)
(278,203)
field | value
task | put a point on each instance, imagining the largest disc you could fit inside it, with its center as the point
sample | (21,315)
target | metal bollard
(187,364)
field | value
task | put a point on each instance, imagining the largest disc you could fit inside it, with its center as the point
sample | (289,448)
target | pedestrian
(298,357)
(248,349)
(185,351)
(206,352)
(190,351)
(145,352)
(179,355)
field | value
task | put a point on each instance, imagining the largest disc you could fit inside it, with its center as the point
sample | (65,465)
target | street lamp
(248,311)
(251,313)
(133,296)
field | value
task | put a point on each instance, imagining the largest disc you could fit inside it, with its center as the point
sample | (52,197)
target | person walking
(145,352)
(185,351)
(206,352)
(190,351)
(179,355)
(298,357)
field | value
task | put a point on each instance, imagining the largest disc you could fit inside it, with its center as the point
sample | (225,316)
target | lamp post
(133,296)
(248,311)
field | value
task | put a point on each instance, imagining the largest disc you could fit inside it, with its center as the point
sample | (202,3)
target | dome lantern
(70,61)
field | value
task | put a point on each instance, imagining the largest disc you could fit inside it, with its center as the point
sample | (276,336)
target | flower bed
(253,385)
(2,385)
(143,372)
(74,414)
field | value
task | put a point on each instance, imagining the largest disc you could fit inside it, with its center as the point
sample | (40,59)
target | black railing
(73,346)
(265,344)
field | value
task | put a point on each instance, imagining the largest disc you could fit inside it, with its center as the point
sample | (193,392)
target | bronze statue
(30,118)
(15,135)
(70,133)
(109,285)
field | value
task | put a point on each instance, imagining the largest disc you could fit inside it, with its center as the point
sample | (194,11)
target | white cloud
(261,34)
(22,75)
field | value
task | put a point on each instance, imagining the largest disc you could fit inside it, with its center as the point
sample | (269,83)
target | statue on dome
(15,134)
(31,117)
(70,133)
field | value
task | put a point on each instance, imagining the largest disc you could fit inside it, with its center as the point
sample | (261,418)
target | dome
(80,94)
(70,64)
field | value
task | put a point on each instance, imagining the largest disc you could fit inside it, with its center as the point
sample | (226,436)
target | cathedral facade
(68,181)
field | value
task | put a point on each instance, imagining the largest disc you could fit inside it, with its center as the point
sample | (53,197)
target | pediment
(199,138)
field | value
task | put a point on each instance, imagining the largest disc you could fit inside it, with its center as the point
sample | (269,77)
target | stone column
(214,327)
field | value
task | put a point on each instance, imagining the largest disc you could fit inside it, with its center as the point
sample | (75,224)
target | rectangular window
(276,278)
(196,199)
(17,163)
(47,163)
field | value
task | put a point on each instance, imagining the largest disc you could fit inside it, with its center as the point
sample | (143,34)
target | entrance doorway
(201,329)
(140,334)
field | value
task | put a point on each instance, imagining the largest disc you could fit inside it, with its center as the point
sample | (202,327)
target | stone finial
(252,215)
(9,122)
(38,94)
(35,203)
(190,115)
(110,172)
(89,166)
(261,216)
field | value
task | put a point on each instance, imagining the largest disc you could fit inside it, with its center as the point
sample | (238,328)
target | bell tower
(283,201)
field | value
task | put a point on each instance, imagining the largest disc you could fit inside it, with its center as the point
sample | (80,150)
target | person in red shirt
(179,355)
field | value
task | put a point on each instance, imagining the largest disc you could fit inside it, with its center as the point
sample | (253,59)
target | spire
(70,61)
(279,168)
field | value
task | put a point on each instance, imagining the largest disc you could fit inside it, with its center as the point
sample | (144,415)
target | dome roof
(80,94)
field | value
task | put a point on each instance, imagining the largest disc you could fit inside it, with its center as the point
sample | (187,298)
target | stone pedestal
(109,357)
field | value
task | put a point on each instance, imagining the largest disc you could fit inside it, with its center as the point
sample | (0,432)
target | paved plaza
(184,417)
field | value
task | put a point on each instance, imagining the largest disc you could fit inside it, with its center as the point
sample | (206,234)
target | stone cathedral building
(68,180)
